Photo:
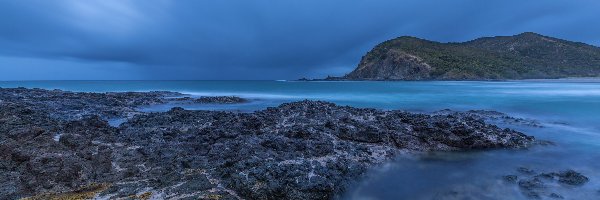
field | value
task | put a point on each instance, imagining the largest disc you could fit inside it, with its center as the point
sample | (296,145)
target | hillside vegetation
(523,56)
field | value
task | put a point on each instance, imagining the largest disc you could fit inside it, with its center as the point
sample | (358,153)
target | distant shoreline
(522,56)
(578,79)
(592,79)
(338,79)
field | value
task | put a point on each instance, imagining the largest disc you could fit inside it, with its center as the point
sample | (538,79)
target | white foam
(57,137)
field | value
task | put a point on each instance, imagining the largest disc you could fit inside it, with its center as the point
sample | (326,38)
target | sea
(568,110)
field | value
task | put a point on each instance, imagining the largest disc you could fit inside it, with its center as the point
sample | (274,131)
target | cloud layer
(259,39)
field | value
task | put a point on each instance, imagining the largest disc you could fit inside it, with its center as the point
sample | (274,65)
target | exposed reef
(57,143)
(210,100)
(536,185)
(494,117)
(221,100)
(66,105)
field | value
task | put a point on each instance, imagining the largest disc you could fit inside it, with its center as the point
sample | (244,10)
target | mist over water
(568,110)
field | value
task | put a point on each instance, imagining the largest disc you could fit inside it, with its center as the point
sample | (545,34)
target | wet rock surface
(209,100)
(221,100)
(67,105)
(494,117)
(299,150)
(536,185)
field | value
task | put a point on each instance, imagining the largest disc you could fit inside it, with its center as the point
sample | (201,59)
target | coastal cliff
(524,56)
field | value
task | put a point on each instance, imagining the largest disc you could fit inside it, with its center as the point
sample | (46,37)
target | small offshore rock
(511,178)
(545,143)
(571,177)
(532,183)
(525,170)
(182,99)
(532,187)
(556,196)
(535,185)
(221,100)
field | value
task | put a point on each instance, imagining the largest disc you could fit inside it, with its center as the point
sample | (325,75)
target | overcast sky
(252,39)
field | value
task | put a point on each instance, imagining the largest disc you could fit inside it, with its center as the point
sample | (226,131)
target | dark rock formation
(523,56)
(511,178)
(74,105)
(221,100)
(300,150)
(493,117)
(570,177)
(537,185)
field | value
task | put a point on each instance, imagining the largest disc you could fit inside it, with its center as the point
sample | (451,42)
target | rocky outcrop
(493,117)
(209,100)
(221,100)
(299,150)
(74,105)
(392,65)
(541,185)
(40,153)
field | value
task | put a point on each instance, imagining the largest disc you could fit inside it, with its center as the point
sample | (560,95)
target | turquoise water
(569,110)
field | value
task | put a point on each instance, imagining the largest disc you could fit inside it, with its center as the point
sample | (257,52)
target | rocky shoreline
(56,143)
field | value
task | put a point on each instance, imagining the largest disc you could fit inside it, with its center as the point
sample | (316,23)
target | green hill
(523,56)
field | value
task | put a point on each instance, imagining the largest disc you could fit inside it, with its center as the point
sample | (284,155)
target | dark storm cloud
(254,39)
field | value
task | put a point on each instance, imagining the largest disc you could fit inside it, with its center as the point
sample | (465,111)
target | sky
(252,39)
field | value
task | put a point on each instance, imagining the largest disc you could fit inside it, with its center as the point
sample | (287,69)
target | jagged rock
(525,170)
(571,177)
(75,105)
(299,150)
(208,100)
(531,187)
(537,185)
(493,117)
(221,100)
(556,196)
(511,178)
